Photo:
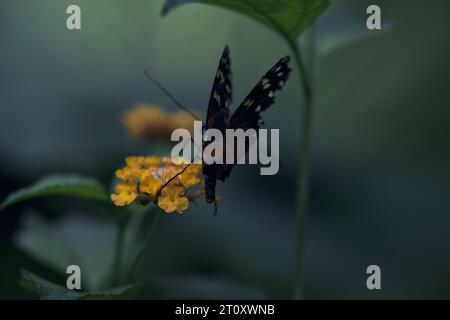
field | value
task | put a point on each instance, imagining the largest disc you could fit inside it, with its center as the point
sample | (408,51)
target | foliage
(48,290)
(287,17)
(67,184)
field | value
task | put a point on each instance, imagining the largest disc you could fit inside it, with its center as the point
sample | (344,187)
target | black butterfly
(246,115)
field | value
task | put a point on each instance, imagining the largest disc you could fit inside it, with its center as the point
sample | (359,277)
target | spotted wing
(247,115)
(217,117)
(221,94)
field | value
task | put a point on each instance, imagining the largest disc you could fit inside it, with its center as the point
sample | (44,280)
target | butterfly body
(246,116)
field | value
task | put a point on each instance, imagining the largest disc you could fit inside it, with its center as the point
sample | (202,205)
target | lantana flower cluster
(150,121)
(142,179)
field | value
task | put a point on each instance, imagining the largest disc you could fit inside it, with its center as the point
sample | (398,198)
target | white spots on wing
(278,69)
(216,97)
(281,83)
(220,76)
(265,83)
(270,94)
(258,109)
(248,103)
(280,74)
(228,88)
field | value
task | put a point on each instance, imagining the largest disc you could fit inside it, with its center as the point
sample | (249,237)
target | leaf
(48,290)
(44,243)
(69,185)
(57,244)
(122,292)
(287,17)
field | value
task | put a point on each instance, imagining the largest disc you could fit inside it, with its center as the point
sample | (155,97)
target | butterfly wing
(217,117)
(221,94)
(247,115)
(262,96)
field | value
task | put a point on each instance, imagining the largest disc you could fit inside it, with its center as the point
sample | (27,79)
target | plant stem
(145,244)
(116,272)
(303,174)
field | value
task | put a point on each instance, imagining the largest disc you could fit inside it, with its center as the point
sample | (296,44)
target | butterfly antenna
(158,193)
(168,94)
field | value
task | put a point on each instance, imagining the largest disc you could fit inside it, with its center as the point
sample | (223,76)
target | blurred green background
(381,149)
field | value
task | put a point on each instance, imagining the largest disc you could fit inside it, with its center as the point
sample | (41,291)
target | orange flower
(150,121)
(126,193)
(145,176)
(173,199)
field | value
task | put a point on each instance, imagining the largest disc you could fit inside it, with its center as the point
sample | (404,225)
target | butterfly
(246,116)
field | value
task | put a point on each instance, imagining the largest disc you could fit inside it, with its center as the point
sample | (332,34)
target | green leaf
(48,290)
(57,244)
(69,185)
(287,17)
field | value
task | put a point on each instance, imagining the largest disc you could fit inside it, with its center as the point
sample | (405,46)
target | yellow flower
(148,177)
(150,121)
(172,199)
(142,163)
(137,167)
(167,161)
(126,193)
(150,185)
(190,177)
(145,120)
(134,161)
(152,161)
(126,173)
(181,119)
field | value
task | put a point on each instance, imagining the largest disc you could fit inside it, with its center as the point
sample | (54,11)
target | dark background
(381,151)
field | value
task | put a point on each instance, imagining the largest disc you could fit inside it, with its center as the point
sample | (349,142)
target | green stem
(145,244)
(303,174)
(117,264)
